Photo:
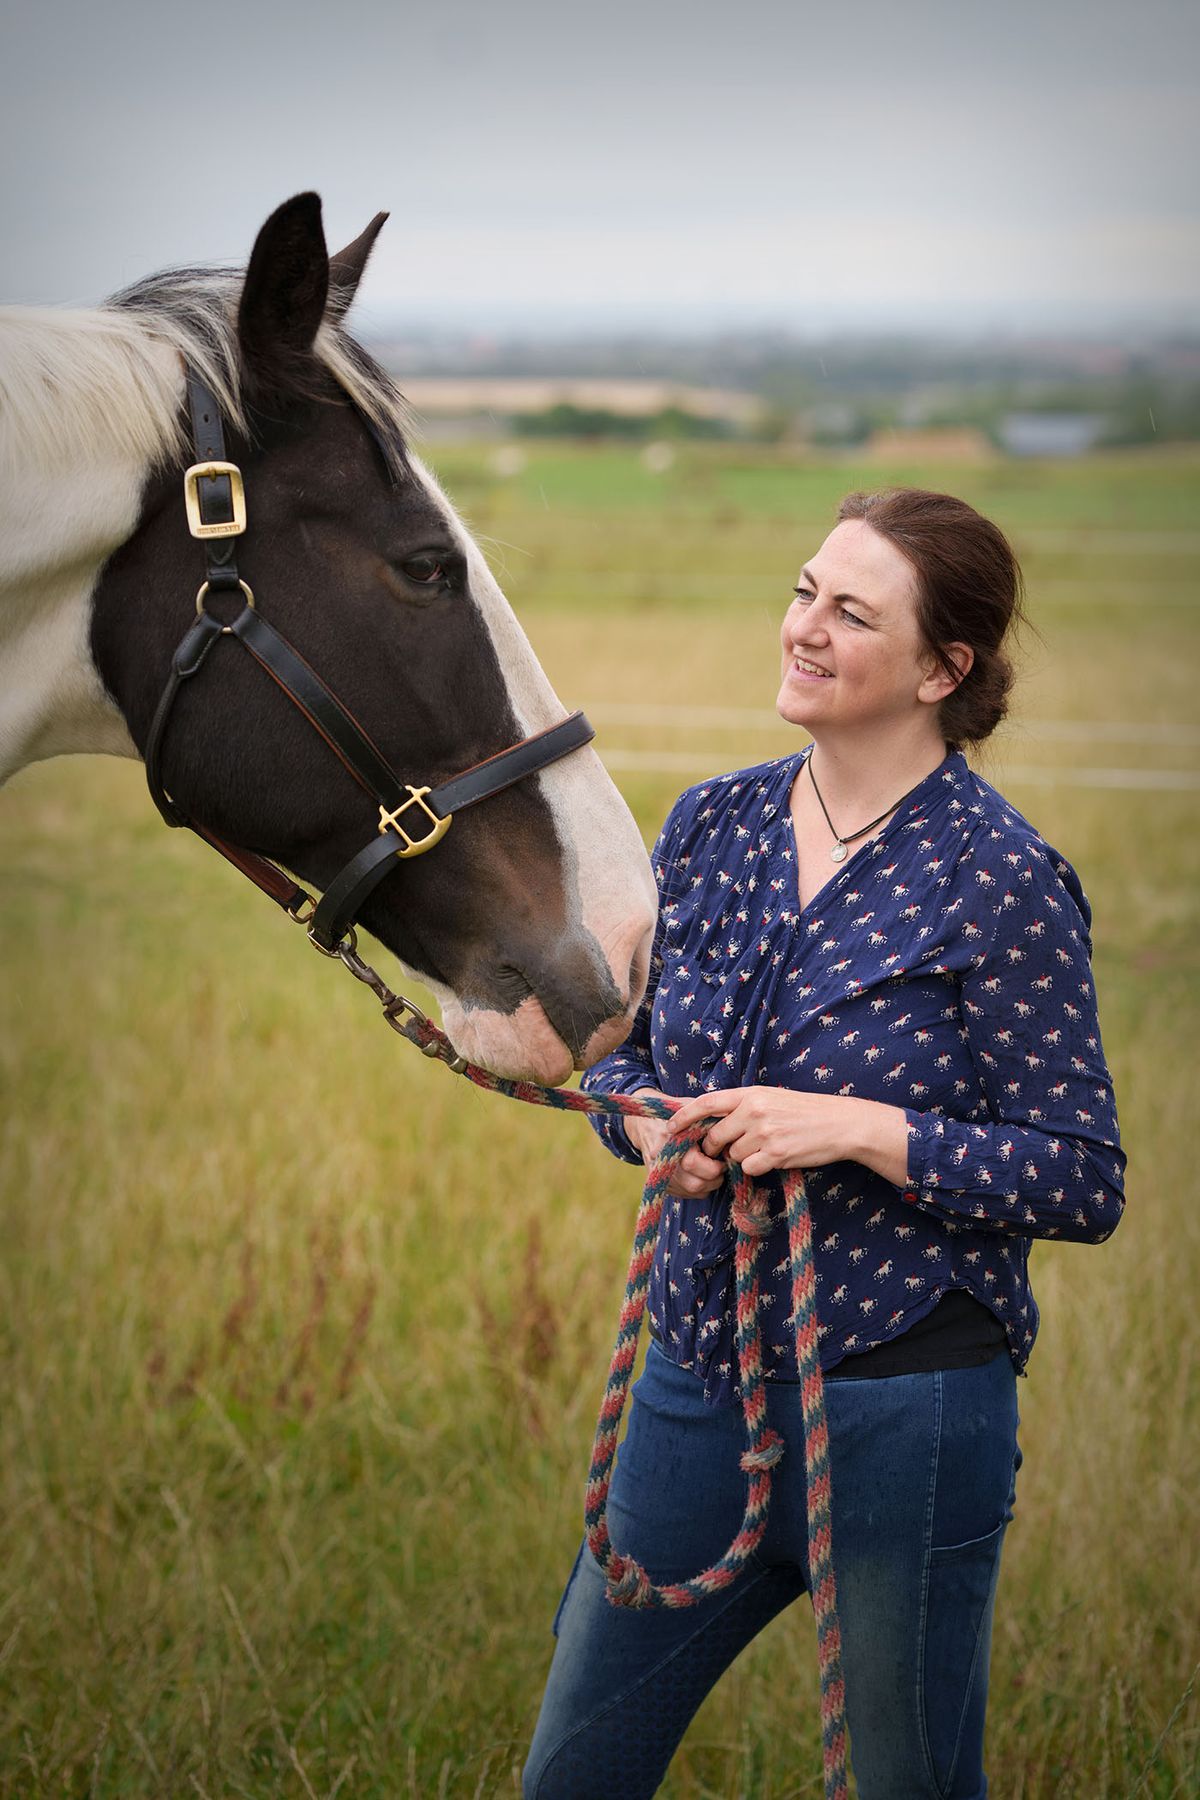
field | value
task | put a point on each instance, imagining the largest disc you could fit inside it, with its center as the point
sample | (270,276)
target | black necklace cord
(849,837)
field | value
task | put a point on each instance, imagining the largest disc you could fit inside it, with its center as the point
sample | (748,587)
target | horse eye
(424,569)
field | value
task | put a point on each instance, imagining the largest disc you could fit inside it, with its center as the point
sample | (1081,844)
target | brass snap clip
(423,1032)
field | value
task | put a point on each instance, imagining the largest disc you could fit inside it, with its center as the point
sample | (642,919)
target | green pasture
(302,1338)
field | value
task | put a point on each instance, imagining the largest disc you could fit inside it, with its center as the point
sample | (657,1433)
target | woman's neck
(862,773)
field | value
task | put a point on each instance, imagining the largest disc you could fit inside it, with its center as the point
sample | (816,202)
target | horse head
(531,919)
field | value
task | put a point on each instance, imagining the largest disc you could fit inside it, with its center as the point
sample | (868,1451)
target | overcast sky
(1009,163)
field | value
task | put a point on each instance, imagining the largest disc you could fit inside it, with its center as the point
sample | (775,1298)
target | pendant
(838,853)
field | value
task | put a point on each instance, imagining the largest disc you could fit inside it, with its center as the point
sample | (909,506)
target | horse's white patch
(74,455)
(52,701)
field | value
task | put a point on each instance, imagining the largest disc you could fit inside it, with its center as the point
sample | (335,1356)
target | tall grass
(302,1338)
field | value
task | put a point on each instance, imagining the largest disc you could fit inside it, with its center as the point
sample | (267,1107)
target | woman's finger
(744,1150)
(721,1100)
(706,1167)
(722,1134)
(690,1187)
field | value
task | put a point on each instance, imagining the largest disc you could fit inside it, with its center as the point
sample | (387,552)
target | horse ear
(283,299)
(346,268)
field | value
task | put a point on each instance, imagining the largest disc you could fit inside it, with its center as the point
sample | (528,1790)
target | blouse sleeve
(1049,1163)
(631,1065)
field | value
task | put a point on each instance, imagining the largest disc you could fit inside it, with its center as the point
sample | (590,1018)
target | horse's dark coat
(333,553)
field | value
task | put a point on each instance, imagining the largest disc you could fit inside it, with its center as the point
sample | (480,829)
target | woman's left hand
(765,1128)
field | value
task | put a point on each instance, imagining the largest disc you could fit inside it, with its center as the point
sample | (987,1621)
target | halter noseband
(411,819)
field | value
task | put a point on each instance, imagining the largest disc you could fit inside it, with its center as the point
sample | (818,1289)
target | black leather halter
(411,819)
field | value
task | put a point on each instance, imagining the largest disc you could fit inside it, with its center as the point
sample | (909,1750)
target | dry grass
(302,1339)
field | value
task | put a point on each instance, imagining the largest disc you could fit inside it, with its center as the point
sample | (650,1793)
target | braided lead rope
(627,1582)
(818,1488)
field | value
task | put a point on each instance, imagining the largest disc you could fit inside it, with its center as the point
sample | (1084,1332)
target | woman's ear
(938,681)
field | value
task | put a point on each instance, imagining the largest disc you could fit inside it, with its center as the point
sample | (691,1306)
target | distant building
(1050,433)
(929,443)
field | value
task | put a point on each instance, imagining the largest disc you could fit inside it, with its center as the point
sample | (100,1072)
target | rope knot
(766,1456)
(628,1583)
(750,1219)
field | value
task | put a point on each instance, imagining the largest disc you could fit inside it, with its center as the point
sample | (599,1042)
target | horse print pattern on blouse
(946,969)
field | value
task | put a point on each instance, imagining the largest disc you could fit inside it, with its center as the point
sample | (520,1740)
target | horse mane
(77,383)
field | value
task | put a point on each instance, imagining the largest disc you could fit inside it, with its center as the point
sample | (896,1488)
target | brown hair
(969,591)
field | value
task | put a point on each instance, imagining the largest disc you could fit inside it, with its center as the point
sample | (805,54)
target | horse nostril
(511,987)
(576,997)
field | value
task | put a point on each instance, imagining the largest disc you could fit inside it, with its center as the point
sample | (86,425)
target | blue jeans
(924,1479)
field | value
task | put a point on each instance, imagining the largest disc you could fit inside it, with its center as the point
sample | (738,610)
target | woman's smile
(803,669)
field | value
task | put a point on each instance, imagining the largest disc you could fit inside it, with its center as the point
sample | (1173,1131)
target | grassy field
(302,1339)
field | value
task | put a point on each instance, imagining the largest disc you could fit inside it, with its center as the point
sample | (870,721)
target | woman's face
(852,654)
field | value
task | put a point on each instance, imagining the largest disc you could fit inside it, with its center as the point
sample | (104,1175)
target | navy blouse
(945,968)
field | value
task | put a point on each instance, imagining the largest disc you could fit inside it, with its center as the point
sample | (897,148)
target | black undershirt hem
(959,1333)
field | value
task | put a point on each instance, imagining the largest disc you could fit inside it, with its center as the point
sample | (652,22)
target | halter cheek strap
(412,819)
(345,896)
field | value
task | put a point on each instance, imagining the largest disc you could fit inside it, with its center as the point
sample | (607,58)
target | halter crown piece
(411,819)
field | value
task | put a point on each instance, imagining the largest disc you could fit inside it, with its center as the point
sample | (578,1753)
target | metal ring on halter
(247,594)
(397,1006)
(349,942)
(399,1003)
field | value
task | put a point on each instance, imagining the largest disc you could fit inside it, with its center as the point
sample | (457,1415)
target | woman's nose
(810,626)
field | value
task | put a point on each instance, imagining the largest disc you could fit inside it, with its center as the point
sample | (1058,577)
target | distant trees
(567,420)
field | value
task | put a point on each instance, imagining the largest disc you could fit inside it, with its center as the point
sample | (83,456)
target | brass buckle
(209,471)
(438,826)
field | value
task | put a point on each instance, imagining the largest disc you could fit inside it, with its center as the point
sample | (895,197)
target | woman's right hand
(696,1176)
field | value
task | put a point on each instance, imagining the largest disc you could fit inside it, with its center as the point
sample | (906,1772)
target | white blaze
(610,886)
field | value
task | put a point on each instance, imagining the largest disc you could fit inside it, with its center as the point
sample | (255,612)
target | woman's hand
(696,1176)
(766,1128)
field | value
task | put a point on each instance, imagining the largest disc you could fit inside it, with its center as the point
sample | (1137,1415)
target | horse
(531,920)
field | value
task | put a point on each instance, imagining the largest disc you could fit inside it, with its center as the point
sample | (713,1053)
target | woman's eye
(424,569)
(803,595)
(853,617)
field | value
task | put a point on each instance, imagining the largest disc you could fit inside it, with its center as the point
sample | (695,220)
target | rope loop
(757,1461)
(628,1583)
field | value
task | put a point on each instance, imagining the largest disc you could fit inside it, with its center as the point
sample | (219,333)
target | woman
(870,967)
